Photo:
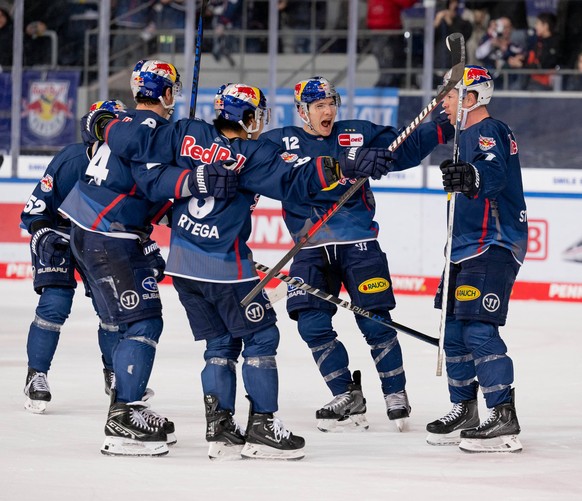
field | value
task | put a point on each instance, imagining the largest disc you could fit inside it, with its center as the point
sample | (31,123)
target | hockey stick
(197,57)
(450,220)
(349,306)
(456,46)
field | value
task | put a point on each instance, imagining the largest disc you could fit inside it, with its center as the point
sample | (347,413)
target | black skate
(157,420)
(398,408)
(498,433)
(109,377)
(267,438)
(223,433)
(347,411)
(127,432)
(447,430)
(37,391)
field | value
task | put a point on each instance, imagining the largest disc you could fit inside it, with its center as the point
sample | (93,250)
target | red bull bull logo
(486,143)
(167,68)
(251,92)
(48,108)
(475,74)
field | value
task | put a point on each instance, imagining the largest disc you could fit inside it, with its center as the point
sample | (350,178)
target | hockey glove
(50,247)
(213,180)
(460,177)
(93,125)
(152,251)
(365,162)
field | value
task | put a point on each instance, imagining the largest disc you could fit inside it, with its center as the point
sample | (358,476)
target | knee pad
(483,339)
(261,344)
(145,331)
(54,306)
(315,327)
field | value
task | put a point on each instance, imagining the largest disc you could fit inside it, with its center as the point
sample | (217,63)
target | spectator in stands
(448,20)
(479,19)
(6,37)
(390,50)
(226,14)
(574,82)
(497,51)
(542,52)
(39,18)
(170,15)
(516,12)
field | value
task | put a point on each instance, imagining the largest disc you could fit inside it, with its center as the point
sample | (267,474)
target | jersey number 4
(97,169)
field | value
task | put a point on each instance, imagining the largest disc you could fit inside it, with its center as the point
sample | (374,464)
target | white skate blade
(35,406)
(224,451)
(260,451)
(171,439)
(503,444)
(354,422)
(453,438)
(119,446)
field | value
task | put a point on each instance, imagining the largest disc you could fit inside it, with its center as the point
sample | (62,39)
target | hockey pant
(133,358)
(475,349)
(331,357)
(259,369)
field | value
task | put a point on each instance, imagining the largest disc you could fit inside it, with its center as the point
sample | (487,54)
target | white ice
(56,456)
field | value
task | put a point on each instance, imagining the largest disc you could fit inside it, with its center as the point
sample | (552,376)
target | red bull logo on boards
(48,107)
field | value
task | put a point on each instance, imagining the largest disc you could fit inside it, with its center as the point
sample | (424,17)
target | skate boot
(398,408)
(127,432)
(498,433)
(109,377)
(37,392)
(223,433)
(267,438)
(157,420)
(347,411)
(447,430)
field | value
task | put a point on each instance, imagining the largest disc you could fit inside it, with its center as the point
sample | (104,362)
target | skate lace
(278,429)
(493,416)
(153,418)
(340,402)
(453,414)
(139,420)
(38,383)
(397,400)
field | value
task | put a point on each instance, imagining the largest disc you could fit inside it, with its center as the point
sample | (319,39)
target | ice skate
(267,438)
(127,432)
(347,411)
(225,437)
(447,430)
(498,433)
(37,392)
(398,408)
(157,420)
(109,377)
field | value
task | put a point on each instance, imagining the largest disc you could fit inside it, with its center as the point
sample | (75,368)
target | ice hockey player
(346,251)
(210,261)
(110,238)
(54,268)
(489,244)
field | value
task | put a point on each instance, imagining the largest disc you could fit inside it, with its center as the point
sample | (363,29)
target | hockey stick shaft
(450,221)
(457,71)
(349,306)
(197,58)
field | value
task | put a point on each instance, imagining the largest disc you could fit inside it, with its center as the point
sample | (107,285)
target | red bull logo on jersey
(512,146)
(486,143)
(46,183)
(475,74)
(350,140)
(374,285)
(48,107)
(289,157)
(467,293)
(210,155)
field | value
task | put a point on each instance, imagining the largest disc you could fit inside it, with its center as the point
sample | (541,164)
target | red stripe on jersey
(108,128)
(440,135)
(161,212)
(178,188)
(320,172)
(484,226)
(238,261)
(102,214)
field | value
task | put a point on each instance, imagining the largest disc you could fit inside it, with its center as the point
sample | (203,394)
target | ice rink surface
(56,456)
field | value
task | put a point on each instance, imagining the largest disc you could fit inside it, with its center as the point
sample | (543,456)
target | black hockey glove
(460,177)
(50,247)
(152,251)
(213,180)
(365,162)
(93,125)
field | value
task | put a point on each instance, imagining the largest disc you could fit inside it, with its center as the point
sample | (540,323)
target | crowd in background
(500,35)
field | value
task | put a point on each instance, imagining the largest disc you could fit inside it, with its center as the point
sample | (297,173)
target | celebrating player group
(94,209)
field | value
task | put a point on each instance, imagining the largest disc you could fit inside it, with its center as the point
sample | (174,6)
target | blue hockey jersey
(108,200)
(497,216)
(61,174)
(354,221)
(209,236)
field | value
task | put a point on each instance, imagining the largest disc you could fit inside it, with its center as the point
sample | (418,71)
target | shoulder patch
(512,146)
(486,143)
(46,183)
(289,157)
(347,139)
